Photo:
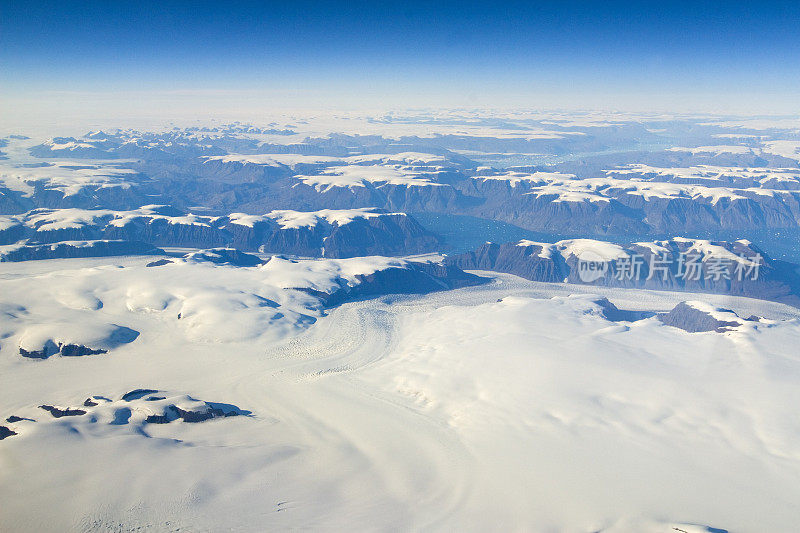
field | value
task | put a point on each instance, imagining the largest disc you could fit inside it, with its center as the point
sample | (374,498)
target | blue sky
(531,53)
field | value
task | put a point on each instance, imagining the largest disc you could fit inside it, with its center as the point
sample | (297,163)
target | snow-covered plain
(512,406)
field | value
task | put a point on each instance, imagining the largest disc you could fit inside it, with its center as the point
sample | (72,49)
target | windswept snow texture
(511,406)
(278,326)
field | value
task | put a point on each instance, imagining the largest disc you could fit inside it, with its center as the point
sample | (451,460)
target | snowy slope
(490,408)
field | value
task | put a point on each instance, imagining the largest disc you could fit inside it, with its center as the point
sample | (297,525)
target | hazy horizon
(175,60)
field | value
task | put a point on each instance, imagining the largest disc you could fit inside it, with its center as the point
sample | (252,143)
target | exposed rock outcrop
(75,249)
(412,278)
(137,408)
(325,233)
(224,256)
(46,340)
(696,317)
(59,412)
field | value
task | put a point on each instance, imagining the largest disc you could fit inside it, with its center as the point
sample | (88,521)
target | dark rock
(159,262)
(388,234)
(615,314)
(76,350)
(50,348)
(119,335)
(70,249)
(212,410)
(13,233)
(58,413)
(689,318)
(225,256)
(121,416)
(168,232)
(199,416)
(6,432)
(137,394)
(159,419)
(416,278)
(529,262)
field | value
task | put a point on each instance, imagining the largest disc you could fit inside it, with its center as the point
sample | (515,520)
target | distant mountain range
(694,265)
(599,181)
(326,233)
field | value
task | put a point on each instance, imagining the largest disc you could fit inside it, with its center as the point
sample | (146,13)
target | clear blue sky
(423,52)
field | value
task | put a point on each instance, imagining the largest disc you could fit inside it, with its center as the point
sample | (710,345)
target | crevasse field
(510,406)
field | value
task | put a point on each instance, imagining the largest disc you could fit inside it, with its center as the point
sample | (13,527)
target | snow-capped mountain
(299,324)
(679,264)
(325,233)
